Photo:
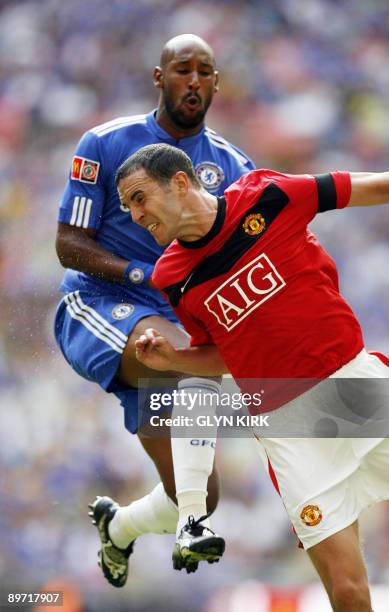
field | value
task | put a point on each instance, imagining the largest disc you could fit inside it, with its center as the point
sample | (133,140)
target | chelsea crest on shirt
(210,175)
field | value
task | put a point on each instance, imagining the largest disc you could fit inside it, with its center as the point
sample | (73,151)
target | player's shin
(193,446)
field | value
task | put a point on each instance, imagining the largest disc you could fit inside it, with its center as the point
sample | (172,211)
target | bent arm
(154,351)
(200,361)
(369,188)
(77,249)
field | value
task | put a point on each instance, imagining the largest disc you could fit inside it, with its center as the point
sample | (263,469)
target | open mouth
(192,101)
(151,227)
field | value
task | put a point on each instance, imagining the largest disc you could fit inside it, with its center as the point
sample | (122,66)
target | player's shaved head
(187,79)
(184,42)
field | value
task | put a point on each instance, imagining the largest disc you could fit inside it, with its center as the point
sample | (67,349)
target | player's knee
(350,595)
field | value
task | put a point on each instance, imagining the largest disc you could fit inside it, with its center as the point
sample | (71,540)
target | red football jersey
(260,286)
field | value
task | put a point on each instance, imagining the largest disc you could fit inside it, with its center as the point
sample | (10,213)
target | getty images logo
(244,291)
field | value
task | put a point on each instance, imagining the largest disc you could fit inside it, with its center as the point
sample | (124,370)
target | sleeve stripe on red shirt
(326,192)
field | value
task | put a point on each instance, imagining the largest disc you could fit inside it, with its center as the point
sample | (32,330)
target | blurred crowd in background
(304,88)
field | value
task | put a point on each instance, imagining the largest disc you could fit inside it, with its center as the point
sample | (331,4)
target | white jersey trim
(81,212)
(221,143)
(95,323)
(116,124)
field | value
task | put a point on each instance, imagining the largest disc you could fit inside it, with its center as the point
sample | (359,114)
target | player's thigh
(319,482)
(130,369)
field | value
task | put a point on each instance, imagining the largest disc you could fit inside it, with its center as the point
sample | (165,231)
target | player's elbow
(60,248)
(73,243)
(64,247)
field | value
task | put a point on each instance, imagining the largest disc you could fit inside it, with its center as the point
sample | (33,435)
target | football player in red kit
(260,298)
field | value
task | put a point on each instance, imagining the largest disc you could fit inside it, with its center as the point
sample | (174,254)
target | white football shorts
(325,483)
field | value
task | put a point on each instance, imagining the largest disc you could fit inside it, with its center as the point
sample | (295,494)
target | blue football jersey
(91,199)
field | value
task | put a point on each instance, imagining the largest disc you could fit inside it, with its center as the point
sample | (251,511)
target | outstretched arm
(369,188)
(154,351)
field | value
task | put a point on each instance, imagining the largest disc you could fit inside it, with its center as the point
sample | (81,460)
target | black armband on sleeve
(326,192)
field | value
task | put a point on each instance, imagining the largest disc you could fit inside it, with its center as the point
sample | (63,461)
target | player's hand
(154,351)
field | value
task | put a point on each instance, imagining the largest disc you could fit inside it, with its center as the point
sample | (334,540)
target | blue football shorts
(92,331)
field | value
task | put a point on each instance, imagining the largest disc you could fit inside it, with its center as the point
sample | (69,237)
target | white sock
(154,513)
(194,454)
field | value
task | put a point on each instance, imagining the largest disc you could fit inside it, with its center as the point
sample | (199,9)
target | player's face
(189,81)
(152,205)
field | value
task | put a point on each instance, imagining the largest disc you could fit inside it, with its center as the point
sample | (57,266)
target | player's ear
(216,85)
(181,182)
(158,77)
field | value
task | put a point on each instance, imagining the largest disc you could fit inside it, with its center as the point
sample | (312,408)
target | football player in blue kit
(109,300)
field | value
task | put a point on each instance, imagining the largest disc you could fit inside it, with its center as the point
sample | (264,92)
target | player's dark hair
(161,162)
